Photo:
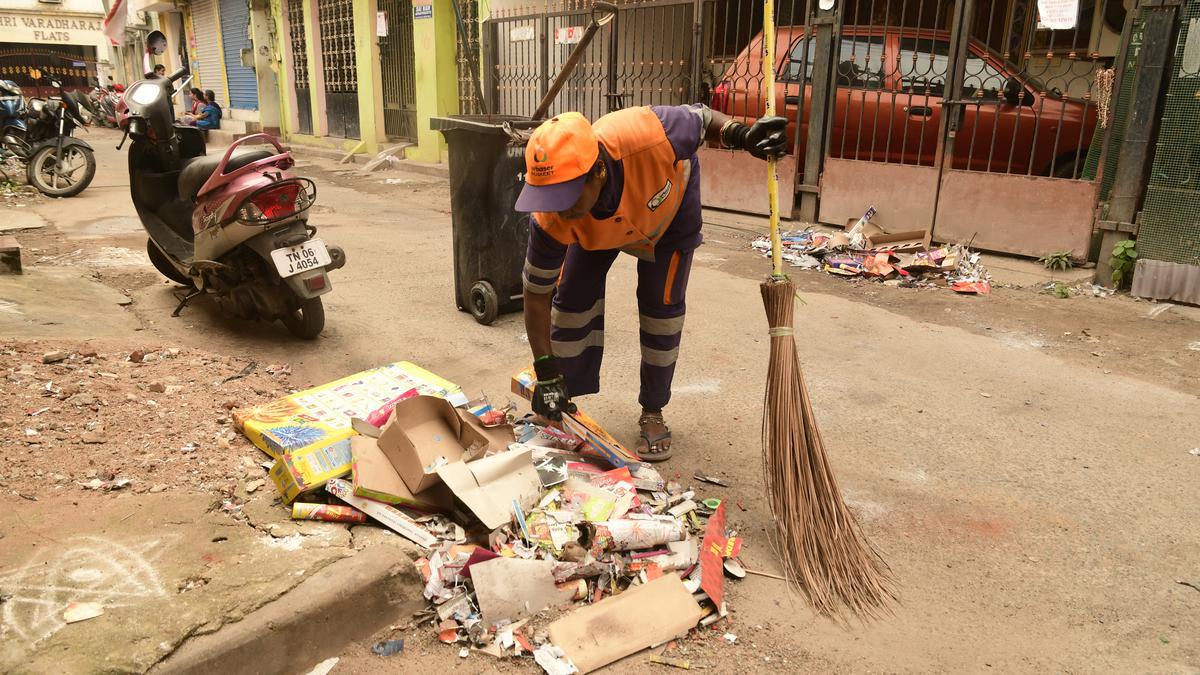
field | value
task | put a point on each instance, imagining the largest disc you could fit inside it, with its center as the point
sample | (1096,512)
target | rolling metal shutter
(207,64)
(235,33)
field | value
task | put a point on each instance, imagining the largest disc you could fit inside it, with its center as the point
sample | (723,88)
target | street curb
(346,601)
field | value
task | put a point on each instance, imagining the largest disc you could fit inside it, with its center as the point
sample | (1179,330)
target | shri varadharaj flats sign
(42,29)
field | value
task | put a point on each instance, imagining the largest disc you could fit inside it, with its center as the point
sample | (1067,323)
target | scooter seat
(197,169)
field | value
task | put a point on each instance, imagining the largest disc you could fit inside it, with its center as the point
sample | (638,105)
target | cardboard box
(320,416)
(490,486)
(374,477)
(426,432)
(309,468)
(595,635)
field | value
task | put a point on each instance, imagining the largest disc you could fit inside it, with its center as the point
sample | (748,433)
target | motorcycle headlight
(145,94)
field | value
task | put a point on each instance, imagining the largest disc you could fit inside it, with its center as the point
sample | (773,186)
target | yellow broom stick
(772,162)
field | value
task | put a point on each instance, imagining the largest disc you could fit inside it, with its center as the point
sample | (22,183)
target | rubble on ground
(532,534)
(93,416)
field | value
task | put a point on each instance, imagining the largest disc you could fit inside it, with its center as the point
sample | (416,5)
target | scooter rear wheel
(308,321)
(164,266)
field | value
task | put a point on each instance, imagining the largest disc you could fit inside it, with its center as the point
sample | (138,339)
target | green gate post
(370,83)
(436,71)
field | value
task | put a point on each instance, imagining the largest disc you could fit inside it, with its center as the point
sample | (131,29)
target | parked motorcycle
(39,131)
(104,102)
(235,224)
(12,120)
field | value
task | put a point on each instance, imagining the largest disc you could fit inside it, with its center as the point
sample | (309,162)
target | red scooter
(233,224)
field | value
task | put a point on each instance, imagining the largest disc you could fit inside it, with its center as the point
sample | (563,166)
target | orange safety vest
(650,198)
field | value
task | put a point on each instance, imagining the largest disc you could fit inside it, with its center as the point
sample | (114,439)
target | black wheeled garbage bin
(487,172)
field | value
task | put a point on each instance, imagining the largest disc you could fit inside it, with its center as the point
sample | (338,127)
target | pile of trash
(515,517)
(902,259)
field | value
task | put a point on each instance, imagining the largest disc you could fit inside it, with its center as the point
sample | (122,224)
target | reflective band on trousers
(656,326)
(535,287)
(531,271)
(659,357)
(570,348)
(561,319)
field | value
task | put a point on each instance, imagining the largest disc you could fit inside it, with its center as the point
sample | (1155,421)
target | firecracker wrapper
(637,533)
(331,512)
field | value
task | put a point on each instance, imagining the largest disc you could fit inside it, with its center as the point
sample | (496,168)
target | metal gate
(399,79)
(463,52)
(643,57)
(967,117)
(336,18)
(299,54)
(934,124)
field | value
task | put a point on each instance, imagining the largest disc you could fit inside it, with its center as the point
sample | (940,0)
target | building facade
(65,39)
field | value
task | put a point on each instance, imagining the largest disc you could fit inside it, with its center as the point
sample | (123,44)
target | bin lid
(481,123)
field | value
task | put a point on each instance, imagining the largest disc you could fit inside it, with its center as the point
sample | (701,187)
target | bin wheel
(485,304)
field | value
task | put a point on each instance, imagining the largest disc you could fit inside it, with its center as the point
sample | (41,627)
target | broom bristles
(823,549)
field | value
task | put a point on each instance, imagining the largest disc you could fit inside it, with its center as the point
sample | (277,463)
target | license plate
(293,260)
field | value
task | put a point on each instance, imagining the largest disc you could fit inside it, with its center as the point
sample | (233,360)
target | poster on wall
(381,26)
(1057,14)
(568,35)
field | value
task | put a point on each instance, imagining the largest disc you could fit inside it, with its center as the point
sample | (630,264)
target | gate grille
(336,18)
(296,35)
(469,10)
(399,79)
(1170,226)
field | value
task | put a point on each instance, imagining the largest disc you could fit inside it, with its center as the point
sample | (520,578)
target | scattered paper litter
(82,611)
(552,660)
(324,667)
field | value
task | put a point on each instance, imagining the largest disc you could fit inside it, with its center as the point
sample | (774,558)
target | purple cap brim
(550,198)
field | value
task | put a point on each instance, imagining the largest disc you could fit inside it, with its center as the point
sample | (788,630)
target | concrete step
(10,255)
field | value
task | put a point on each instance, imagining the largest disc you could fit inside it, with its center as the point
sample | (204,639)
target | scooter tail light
(278,201)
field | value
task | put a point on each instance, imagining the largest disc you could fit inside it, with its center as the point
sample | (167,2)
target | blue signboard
(423,11)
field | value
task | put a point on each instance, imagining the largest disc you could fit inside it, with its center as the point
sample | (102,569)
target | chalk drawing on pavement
(88,569)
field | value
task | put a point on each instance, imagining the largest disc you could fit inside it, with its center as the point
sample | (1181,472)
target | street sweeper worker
(630,182)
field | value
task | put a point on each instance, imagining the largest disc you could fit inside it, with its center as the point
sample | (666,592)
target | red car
(890,88)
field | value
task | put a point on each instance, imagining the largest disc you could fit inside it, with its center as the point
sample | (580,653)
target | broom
(823,549)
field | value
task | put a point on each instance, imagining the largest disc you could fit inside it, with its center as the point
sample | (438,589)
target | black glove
(767,137)
(550,397)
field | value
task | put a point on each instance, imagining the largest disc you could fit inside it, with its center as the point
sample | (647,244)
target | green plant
(1124,257)
(1059,260)
(1061,290)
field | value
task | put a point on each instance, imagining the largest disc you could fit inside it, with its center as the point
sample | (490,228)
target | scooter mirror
(156,43)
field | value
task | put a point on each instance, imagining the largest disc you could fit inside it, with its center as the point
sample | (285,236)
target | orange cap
(557,159)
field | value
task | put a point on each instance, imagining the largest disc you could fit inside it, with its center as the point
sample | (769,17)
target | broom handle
(772,162)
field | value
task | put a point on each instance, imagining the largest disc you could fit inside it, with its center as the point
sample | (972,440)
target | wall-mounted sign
(568,35)
(381,24)
(422,11)
(520,34)
(48,27)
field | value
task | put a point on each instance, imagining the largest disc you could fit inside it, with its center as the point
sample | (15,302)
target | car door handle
(920,111)
(791,100)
